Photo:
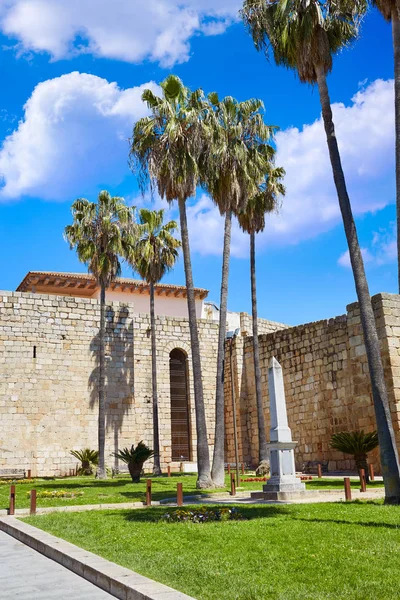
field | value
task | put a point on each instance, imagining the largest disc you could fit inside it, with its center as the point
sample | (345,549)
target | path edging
(120,582)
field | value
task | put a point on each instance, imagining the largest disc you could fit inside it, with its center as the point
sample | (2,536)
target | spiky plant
(88,459)
(358,444)
(305,35)
(154,254)
(135,458)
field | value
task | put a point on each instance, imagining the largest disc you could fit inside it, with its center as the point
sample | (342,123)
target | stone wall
(326,382)
(48,375)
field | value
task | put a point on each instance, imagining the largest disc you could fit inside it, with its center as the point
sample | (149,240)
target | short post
(11,510)
(29,474)
(229,468)
(319,470)
(242,468)
(347,488)
(181,468)
(179,494)
(371,472)
(233,485)
(169,471)
(362,481)
(148,492)
(32,510)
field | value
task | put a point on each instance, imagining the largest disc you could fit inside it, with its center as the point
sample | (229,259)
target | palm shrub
(305,35)
(88,459)
(135,458)
(358,444)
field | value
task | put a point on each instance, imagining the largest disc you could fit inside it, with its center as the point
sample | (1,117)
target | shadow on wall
(119,373)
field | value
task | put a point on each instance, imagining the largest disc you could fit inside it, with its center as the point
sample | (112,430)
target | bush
(88,459)
(203,514)
(135,459)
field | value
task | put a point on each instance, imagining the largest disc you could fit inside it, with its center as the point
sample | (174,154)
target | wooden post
(319,470)
(242,468)
(181,468)
(229,468)
(148,492)
(11,510)
(371,472)
(29,474)
(169,471)
(363,487)
(179,494)
(347,488)
(33,503)
(233,485)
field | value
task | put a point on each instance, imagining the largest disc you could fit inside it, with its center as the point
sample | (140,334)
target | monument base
(282,496)
(284,484)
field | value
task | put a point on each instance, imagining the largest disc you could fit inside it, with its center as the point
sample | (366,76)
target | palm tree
(100,235)
(230,169)
(154,254)
(165,148)
(358,444)
(252,221)
(305,35)
(390,11)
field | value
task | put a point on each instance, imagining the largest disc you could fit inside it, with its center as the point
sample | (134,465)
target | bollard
(371,472)
(148,492)
(347,488)
(29,474)
(233,485)
(179,494)
(242,468)
(363,487)
(11,510)
(229,468)
(169,471)
(181,468)
(32,510)
(319,470)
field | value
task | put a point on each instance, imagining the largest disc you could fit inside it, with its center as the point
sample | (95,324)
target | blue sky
(71,85)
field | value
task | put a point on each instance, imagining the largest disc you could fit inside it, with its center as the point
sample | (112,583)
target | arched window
(180,417)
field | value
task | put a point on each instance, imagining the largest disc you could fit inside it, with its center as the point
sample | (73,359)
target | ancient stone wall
(326,382)
(48,378)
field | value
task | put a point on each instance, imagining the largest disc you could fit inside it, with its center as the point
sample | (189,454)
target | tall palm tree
(390,11)
(100,235)
(252,221)
(231,167)
(154,254)
(305,35)
(165,148)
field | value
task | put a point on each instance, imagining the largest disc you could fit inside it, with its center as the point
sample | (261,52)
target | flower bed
(16,481)
(203,514)
(56,494)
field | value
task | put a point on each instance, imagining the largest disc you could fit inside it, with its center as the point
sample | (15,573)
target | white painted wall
(165,305)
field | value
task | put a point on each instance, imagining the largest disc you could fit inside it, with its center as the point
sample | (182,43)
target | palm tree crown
(303,34)
(266,200)
(100,234)
(156,249)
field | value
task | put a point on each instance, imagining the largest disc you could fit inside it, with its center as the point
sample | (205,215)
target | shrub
(135,459)
(88,459)
(358,444)
(203,514)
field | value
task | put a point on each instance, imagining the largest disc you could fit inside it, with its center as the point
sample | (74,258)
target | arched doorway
(180,416)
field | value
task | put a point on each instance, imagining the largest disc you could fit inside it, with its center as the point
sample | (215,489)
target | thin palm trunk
(203,456)
(156,436)
(218,466)
(387,442)
(396,49)
(262,434)
(101,469)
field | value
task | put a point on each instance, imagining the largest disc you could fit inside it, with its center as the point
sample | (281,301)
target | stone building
(49,362)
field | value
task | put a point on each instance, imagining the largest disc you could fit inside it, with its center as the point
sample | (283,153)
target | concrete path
(27,575)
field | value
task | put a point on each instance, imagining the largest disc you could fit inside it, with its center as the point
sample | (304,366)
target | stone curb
(120,582)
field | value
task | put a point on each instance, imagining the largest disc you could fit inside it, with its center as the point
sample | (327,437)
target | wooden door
(180,425)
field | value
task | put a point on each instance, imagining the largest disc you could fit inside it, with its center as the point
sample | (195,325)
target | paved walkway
(27,575)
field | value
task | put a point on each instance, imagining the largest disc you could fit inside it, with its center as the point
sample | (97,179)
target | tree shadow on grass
(353,506)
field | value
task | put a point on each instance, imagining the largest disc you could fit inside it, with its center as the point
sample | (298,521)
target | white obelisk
(283,472)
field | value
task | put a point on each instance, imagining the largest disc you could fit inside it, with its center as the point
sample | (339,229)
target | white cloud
(382,251)
(365,132)
(73,137)
(132,31)
(344,259)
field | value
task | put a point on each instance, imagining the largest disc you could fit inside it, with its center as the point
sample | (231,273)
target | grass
(294,552)
(122,489)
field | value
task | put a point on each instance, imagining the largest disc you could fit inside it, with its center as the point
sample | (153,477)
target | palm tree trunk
(396,49)
(387,442)
(101,469)
(262,434)
(203,456)
(156,436)
(218,466)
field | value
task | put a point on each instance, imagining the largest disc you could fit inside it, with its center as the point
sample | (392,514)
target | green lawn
(294,552)
(122,489)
